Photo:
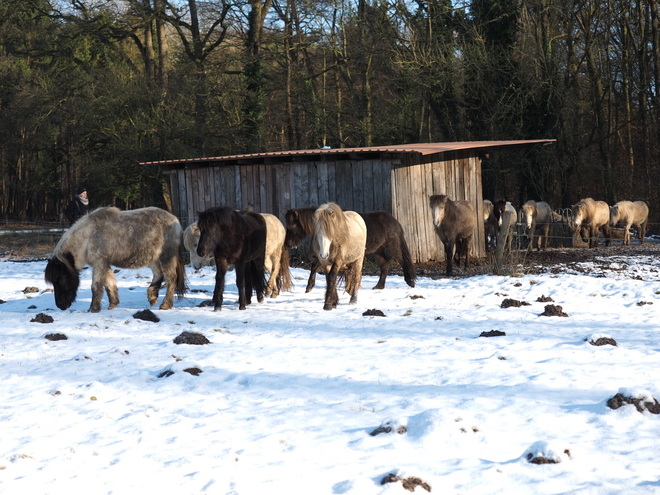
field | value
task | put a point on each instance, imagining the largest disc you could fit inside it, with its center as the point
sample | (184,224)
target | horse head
(615,215)
(579,214)
(438,204)
(299,224)
(529,213)
(329,227)
(63,276)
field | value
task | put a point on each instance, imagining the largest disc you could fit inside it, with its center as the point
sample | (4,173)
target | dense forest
(91,88)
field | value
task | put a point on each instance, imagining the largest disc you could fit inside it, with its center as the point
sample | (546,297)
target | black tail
(257,277)
(181,281)
(409,272)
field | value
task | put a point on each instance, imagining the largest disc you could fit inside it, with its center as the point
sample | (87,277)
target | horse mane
(220,215)
(331,218)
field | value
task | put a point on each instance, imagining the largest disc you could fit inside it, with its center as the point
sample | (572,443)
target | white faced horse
(454,223)
(338,241)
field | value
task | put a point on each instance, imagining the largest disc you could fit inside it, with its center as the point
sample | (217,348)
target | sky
(293,399)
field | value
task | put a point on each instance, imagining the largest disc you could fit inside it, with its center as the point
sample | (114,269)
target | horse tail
(409,272)
(284,280)
(181,281)
(257,277)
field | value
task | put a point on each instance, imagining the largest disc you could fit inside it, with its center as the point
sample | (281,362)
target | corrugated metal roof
(421,148)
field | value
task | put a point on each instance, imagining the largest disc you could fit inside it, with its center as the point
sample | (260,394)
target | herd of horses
(257,244)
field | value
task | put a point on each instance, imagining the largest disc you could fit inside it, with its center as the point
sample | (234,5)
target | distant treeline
(90,88)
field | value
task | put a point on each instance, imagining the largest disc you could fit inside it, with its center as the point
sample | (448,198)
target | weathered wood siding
(398,184)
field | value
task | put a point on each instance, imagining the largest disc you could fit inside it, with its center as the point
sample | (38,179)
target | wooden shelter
(396,179)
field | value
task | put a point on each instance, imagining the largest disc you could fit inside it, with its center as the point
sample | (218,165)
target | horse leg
(99,277)
(384,265)
(356,275)
(449,253)
(607,236)
(641,232)
(626,234)
(156,284)
(248,285)
(275,281)
(220,272)
(312,276)
(239,268)
(331,296)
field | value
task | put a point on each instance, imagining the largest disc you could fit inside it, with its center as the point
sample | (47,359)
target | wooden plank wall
(458,175)
(398,185)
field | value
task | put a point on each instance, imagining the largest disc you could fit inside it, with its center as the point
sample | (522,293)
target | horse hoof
(261,298)
(308,289)
(163,306)
(378,287)
(242,308)
(112,306)
(94,310)
(328,307)
(217,308)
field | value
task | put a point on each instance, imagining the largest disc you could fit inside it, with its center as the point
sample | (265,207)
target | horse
(630,213)
(385,240)
(592,216)
(454,223)
(190,241)
(499,208)
(338,241)
(276,260)
(238,238)
(126,239)
(537,217)
(490,225)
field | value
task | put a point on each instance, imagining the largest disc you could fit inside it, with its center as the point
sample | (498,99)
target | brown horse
(592,216)
(276,260)
(630,213)
(385,240)
(238,238)
(338,242)
(126,239)
(537,217)
(454,223)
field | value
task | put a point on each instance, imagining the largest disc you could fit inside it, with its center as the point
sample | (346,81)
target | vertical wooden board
(357,186)
(282,191)
(329,192)
(320,191)
(220,187)
(300,179)
(234,175)
(386,199)
(190,197)
(344,186)
(312,184)
(264,186)
(368,203)
(176,198)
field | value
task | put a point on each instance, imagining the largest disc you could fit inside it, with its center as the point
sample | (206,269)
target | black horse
(238,238)
(385,240)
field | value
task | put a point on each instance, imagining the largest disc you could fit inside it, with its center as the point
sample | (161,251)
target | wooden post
(502,241)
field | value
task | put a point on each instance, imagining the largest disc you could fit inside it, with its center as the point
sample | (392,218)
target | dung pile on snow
(512,303)
(493,333)
(643,401)
(553,310)
(387,427)
(146,315)
(191,338)
(544,453)
(373,312)
(601,340)
(42,318)
(409,483)
(543,298)
(55,336)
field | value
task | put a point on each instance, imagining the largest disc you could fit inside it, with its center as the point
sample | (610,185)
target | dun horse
(238,238)
(276,260)
(630,213)
(537,217)
(385,240)
(454,223)
(499,208)
(590,217)
(338,242)
(126,239)
(190,241)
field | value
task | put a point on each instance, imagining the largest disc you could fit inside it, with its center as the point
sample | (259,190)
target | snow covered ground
(290,398)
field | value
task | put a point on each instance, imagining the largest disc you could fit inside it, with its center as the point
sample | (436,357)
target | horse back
(253,231)
(382,228)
